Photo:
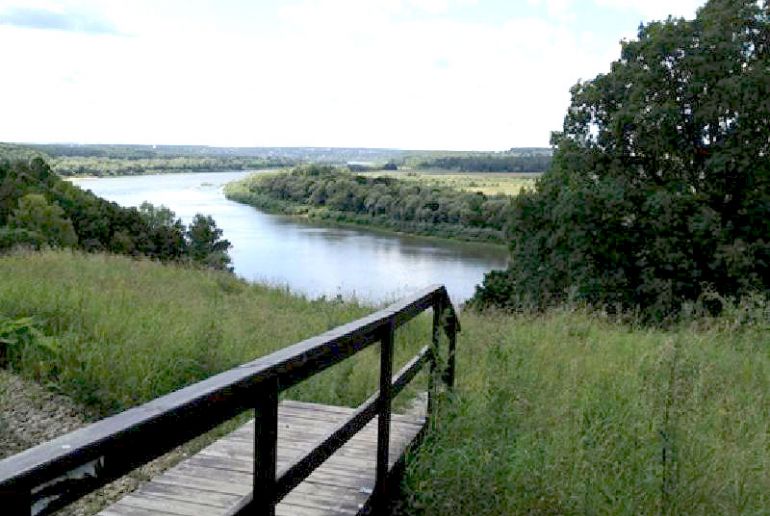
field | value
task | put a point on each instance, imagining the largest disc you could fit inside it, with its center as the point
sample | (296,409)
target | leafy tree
(167,231)
(36,215)
(205,243)
(660,186)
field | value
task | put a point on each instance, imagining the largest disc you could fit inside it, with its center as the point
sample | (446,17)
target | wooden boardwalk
(213,481)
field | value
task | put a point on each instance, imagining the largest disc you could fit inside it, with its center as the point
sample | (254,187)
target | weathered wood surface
(217,478)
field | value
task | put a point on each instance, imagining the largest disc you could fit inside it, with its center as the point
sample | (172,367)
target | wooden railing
(49,476)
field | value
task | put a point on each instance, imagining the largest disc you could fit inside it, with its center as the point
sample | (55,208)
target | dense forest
(127,160)
(659,195)
(333,194)
(489,163)
(39,209)
(98,166)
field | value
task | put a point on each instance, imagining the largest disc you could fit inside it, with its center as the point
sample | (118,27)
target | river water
(311,259)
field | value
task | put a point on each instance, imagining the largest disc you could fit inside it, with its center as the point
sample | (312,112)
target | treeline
(488,163)
(126,160)
(111,166)
(329,193)
(39,209)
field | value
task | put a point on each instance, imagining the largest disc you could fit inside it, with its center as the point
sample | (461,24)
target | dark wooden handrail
(53,474)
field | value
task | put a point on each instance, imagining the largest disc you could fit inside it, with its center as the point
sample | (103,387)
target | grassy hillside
(566,412)
(115,332)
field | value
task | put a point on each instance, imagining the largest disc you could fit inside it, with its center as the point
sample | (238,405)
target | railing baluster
(450,368)
(383,421)
(15,501)
(265,449)
(434,355)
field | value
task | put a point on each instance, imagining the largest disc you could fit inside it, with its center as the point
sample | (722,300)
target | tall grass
(568,413)
(125,331)
(565,412)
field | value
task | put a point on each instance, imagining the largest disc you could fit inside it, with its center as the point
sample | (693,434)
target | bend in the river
(311,259)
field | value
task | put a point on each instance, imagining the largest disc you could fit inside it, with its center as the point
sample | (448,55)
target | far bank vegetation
(336,195)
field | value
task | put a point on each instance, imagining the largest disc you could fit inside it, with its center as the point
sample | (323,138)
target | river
(310,259)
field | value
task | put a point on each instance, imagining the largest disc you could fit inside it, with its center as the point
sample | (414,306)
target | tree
(36,215)
(166,231)
(205,243)
(660,185)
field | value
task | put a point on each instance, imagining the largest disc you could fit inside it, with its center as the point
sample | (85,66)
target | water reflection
(311,259)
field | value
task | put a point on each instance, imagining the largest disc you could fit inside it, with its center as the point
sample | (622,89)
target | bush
(11,238)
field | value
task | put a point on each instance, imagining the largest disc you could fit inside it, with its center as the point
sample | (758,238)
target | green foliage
(13,238)
(660,187)
(408,206)
(36,215)
(488,163)
(14,152)
(108,166)
(38,208)
(205,243)
(570,413)
(23,345)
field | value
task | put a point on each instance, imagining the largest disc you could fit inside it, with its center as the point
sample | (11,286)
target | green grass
(488,183)
(567,413)
(126,331)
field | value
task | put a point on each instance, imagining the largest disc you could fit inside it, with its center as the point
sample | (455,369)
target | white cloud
(558,9)
(656,9)
(321,72)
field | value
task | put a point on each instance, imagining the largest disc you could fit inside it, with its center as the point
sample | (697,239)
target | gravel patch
(30,415)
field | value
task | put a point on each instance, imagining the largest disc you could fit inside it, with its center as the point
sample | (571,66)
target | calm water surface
(311,259)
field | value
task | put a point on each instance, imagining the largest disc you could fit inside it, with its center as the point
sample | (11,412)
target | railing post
(449,379)
(265,449)
(15,501)
(434,354)
(383,421)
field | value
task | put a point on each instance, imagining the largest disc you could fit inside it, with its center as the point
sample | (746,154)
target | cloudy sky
(413,74)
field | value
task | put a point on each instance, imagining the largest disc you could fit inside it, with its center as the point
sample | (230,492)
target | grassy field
(122,331)
(568,413)
(488,183)
(565,412)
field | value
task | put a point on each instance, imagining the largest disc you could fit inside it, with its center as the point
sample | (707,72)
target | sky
(409,74)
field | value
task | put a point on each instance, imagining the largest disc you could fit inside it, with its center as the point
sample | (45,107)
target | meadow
(564,412)
(488,183)
(570,412)
(114,331)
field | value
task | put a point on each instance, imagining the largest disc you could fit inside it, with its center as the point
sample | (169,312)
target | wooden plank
(164,505)
(217,478)
(187,494)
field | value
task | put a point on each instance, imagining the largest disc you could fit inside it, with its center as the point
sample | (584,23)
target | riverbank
(385,202)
